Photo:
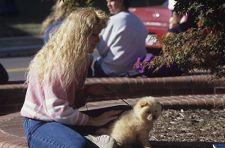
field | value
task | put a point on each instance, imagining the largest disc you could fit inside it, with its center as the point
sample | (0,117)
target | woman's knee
(52,134)
(77,141)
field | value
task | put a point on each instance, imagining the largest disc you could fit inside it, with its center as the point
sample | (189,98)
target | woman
(60,10)
(56,74)
(121,42)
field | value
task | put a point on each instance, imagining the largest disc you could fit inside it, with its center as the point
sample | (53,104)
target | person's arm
(123,45)
(125,40)
(58,105)
(111,36)
(103,118)
(59,109)
(106,35)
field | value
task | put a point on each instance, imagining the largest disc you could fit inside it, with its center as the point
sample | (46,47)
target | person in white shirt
(121,42)
(175,19)
(171,4)
(177,22)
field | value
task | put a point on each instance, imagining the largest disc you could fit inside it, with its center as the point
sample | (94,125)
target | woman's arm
(103,118)
(58,105)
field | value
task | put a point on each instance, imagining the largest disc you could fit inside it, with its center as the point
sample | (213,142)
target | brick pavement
(11,133)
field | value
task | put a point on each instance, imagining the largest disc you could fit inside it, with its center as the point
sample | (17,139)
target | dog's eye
(149,112)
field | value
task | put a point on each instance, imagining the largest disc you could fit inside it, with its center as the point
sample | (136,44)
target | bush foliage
(82,3)
(201,48)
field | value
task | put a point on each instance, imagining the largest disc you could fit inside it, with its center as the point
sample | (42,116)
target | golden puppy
(133,126)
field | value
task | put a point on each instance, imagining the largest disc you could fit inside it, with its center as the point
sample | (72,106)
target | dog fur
(133,126)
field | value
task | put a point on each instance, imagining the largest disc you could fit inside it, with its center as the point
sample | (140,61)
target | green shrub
(201,48)
(82,3)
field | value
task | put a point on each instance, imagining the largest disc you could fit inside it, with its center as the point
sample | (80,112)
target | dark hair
(126,3)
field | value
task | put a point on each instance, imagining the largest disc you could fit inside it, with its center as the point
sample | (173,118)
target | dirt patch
(199,125)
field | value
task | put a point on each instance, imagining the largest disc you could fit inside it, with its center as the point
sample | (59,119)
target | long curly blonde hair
(66,53)
(60,10)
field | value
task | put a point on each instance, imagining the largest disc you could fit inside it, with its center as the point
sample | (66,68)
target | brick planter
(98,89)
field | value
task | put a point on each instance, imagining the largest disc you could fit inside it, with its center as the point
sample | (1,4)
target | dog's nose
(154,117)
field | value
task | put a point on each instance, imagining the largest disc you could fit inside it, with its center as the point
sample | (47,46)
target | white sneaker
(102,141)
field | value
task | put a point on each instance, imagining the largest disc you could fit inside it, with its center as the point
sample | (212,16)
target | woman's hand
(103,118)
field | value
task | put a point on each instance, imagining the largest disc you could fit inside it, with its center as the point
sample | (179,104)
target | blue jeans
(219,146)
(41,134)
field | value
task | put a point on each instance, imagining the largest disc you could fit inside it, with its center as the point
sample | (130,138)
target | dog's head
(147,108)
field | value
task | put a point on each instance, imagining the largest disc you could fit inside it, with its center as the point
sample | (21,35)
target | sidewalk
(11,132)
(20,46)
(29,45)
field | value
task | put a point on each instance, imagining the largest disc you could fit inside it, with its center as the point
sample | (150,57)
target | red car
(156,20)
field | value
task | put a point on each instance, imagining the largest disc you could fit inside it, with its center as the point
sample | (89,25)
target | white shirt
(121,43)
(171,4)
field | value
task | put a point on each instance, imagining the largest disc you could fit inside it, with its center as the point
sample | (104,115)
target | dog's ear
(160,105)
(143,104)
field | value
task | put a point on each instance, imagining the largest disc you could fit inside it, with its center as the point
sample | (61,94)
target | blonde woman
(60,10)
(56,74)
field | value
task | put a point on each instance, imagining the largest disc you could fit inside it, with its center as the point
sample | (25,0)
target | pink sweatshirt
(52,102)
